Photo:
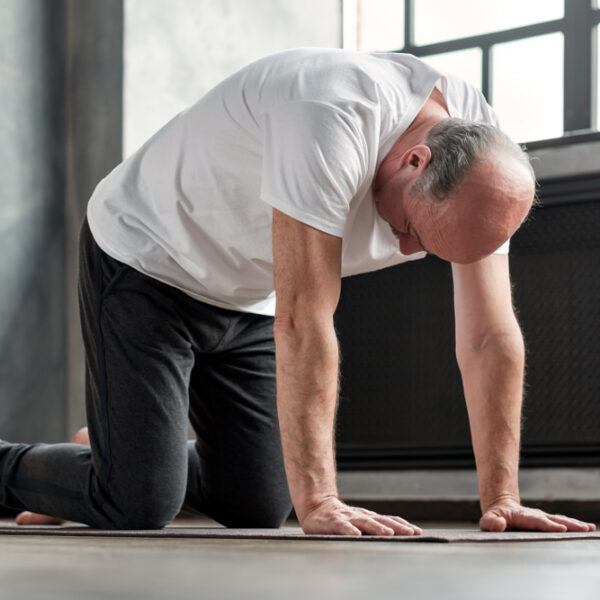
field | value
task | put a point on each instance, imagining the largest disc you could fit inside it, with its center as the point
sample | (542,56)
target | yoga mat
(295,533)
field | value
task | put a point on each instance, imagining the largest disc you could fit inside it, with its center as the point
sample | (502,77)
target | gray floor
(51,568)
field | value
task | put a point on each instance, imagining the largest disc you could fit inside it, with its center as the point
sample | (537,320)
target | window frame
(577,26)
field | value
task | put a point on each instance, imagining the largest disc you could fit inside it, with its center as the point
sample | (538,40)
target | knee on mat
(146,513)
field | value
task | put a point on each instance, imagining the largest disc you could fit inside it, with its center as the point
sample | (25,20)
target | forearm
(307,387)
(493,384)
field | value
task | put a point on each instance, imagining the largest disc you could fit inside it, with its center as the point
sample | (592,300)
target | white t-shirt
(303,131)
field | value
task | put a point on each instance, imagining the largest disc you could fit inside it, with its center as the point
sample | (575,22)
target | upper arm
(307,268)
(483,301)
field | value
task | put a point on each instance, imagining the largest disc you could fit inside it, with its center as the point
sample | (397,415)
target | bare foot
(29,518)
(81,437)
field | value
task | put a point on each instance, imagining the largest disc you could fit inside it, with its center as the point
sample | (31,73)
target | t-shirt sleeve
(315,158)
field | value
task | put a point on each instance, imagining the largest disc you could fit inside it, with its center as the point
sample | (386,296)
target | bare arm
(307,266)
(307,283)
(491,357)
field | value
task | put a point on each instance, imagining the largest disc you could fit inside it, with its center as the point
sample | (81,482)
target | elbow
(503,347)
(288,324)
(304,332)
(301,320)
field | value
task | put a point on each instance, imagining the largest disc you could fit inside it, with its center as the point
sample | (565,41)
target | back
(303,131)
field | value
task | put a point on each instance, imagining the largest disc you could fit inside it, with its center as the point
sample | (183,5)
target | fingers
(521,517)
(338,518)
(374,525)
(386,524)
(383,525)
(371,526)
(346,528)
(572,524)
(538,521)
(399,525)
(502,518)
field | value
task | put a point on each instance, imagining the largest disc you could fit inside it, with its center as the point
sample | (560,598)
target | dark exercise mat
(295,533)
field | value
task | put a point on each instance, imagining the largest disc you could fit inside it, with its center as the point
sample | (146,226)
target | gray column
(93,147)
(60,126)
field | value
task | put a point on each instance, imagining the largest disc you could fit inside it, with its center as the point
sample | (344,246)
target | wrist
(498,483)
(504,499)
(306,507)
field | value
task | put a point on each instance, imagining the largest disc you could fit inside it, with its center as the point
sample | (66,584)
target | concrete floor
(50,568)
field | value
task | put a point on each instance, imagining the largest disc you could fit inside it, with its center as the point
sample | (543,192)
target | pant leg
(236,473)
(138,360)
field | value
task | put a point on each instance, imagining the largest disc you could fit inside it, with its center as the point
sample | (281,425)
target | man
(299,169)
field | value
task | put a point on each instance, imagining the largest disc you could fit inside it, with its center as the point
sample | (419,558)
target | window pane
(466,64)
(439,20)
(527,87)
(380,25)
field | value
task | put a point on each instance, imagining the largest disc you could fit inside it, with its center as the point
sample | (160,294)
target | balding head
(473,195)
(482,212)
(456,146)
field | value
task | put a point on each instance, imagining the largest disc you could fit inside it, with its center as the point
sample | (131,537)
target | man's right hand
(334,517)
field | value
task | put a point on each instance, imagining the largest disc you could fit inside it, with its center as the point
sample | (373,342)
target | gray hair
(457,145)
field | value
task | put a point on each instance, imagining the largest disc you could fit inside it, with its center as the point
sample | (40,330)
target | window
(527,86)
(536,61)
(463,63)
(438,21)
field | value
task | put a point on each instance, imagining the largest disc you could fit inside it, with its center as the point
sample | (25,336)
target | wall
(174,56)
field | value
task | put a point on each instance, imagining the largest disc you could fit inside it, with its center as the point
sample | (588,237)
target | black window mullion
(487,39)
(486,73)
(578,65)
(408,27)
(577,26)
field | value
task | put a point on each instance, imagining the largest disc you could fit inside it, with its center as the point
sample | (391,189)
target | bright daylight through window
(521,72)
(440,20)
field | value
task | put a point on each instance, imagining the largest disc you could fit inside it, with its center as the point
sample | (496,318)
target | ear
(417,157)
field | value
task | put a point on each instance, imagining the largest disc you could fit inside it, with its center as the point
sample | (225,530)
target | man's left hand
(509,514)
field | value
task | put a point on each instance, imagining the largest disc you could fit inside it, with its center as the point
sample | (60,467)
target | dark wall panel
(401,397)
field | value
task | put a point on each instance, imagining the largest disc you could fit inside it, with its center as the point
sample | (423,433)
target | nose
(408,244)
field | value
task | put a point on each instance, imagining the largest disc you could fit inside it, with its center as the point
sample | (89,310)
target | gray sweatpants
(153,356)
